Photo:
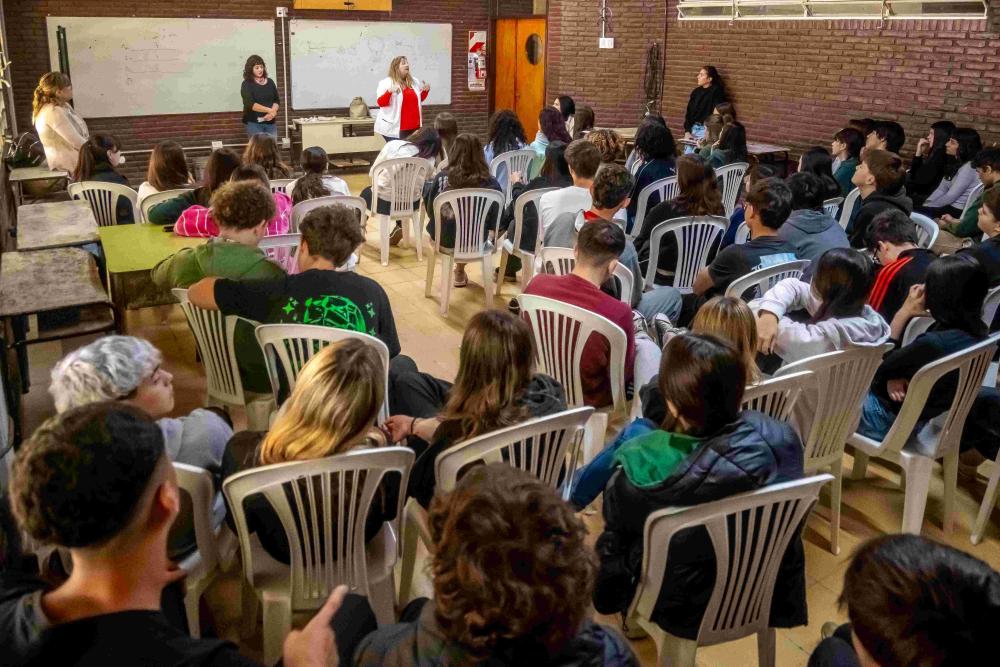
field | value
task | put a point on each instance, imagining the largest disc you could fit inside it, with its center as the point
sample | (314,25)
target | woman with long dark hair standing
(260,98)
(710,93)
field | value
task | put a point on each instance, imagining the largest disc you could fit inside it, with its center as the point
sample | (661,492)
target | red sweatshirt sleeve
(383,101)
(423,95)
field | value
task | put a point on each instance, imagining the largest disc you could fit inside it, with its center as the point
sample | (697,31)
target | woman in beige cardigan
(60,128)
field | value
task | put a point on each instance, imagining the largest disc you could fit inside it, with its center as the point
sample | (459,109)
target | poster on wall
(477,60)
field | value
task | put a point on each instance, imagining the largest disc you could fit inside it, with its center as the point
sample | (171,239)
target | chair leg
(593,436)
(488,280)
(407,238)
(447,262)
(860,468)
(382,599)
(383,231)
(837,469)
(431,261)
(527,269)
(504,257)
(989,502)
(258,414)
(192,596)
(918,482)
(418,234)
(277,625)
(766,648)
(409,559)
(950,488)
(676,652)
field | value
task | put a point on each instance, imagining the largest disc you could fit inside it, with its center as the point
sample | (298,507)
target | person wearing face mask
(99,160)
(60,128)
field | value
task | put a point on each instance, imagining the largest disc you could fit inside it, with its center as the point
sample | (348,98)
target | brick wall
(793,82)
(25,20)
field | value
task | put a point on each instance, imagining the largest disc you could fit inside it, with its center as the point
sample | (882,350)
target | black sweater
(252,92)
(701,104)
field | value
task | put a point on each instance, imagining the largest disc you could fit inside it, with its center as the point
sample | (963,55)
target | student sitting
(505,134)
(846,150)
(512,579)
(960,177)
(657,153)
(168,170)
(809,228)
(99,157)
(583,122)
(467,168)
(892,241)
(738,217)
(447,128)
(609,143)
(631,162)
(954,232)
(706,449)
(584,160)
(880,179)
(839,318)
(496,386)
(713,130)
(988,251)
(97,480)
(199,221)
(885,135)
(310,186)
(930,161)
(320,293)
(818,161)
(731,147)
(953,294)
(913,601)
(220,166)
(550,128)
(262,150)
(314,160)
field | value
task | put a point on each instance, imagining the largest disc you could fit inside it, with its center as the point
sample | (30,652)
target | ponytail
(93,153)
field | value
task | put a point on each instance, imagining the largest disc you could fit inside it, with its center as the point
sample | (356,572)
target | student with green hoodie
(242,209)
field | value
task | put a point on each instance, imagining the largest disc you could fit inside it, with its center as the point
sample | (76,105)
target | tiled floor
(871,507)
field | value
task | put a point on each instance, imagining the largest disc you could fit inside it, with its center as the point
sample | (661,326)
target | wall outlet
(216,145)
(281,12)
(286,142)
(606,42)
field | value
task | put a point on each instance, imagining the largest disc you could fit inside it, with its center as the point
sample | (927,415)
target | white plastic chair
(626,283)
(561,332)
(511,162)
(776,397)
(300,210)
(731,176)
(103,199)
(546,447)
(149,201)
(406,183)
(509,247)
(848,207)
(750,533)
(927,230)
(696,237)
(560,261)
(742,234)
(976,191)
(832,205)
(322,505)
(990,305)
(290,346)
(282,249)
(938,440)
(665,188)
(280,184)
(213,334)
(839,383)
(761,280)
(215,546)
(471,212)
(914,328)
(989,502)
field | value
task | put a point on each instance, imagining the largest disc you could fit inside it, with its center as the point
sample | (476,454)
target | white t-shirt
(563,200)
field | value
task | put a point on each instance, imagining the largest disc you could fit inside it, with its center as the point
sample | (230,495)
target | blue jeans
(261,128)
(698,132)
(876,418)
(664,299)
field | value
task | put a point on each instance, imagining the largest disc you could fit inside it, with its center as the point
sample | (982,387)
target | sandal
(460,279)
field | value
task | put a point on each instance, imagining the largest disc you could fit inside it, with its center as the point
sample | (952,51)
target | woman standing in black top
(709,93)
(260,98)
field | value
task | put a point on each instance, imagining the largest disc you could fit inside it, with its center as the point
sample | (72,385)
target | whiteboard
(146,66)
(335,61)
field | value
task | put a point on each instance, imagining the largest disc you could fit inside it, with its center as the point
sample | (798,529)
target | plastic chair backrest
(990,305)
(626,282)
(915,327)
(213,334)
(561,332)
(764,279)
(731,176)
(197,483)
(300,210)
(322,505)
(149,201)
(546,447)
(832,205)
(291,346)
(282,249)
(848,207)
(510,163)
(776,397)
(103,199)
(696,237)
(665,189)
(281,184)
(927,230)
(840,380)
(556,261)
(750,533)
(406,183)
(522,201)
(742,234)
(943,434)
(471,210)
(976,191)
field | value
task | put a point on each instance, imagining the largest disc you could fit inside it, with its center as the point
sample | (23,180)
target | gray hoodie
(812,233)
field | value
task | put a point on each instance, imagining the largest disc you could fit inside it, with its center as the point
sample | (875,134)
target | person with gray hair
(128,369)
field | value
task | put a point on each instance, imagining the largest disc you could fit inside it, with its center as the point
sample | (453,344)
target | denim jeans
(261,128)
(876,418)
(698,132)
(663,299)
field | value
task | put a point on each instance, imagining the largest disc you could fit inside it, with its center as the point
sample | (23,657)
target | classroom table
(18,177)
(130,252)
(55,225)
(757,148)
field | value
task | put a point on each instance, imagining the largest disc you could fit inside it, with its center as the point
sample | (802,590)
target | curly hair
(505,132)
(612,186)
(510,562)
(608,142)
(249,65)
(332,232)
(80,477)
(242,205)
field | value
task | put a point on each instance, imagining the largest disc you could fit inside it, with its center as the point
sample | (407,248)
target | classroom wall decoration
(477,60)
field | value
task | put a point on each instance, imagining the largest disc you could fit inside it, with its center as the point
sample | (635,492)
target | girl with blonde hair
(731,320)
(400,97)
(60,128)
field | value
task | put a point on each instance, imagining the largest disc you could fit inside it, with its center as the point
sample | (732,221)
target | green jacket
(968,226)
(649,459)
(844,174)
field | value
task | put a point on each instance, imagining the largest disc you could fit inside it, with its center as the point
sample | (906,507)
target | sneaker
(396,235)
(639,325)
(461,279)
(514,307)
(662,326)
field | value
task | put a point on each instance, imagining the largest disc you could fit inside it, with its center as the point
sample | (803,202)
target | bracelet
(413,426)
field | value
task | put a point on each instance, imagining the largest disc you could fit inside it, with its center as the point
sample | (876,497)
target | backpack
(25,151)
(358,108)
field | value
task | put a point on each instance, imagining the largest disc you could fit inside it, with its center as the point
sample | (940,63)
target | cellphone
(169,229)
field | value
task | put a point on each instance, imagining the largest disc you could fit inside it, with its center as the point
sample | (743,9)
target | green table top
(140,247)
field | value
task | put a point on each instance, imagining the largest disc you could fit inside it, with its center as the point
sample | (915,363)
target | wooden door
(519,82)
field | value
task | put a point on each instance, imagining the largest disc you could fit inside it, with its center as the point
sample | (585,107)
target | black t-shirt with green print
(339,299)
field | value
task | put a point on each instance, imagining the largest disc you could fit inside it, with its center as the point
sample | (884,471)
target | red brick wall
(793,82)
(25,20)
